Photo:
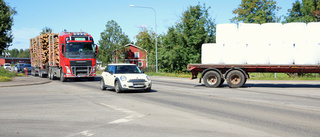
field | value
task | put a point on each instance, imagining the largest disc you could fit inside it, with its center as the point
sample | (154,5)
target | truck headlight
(68,69)
(123,78)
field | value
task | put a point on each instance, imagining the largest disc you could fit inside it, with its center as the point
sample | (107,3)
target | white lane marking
(86,133)
(132,114)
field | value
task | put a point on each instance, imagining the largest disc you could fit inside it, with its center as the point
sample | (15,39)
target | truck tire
(236,79)
(102,85)
(212,79)
(62,78)
(117,87)
(222,81)
(50,74)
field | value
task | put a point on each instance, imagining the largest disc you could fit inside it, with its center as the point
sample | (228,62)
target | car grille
(137,80)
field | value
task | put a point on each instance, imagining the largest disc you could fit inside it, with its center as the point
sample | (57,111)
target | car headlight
(148,78)
(123,78)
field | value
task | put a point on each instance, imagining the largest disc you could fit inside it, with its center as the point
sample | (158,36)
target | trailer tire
(212,79)
(236,79)
(222,81)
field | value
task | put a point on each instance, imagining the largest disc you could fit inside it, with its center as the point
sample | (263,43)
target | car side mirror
(111,72)
(143,71)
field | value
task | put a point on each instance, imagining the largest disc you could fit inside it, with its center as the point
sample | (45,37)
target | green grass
(283,76)
(163,74)
(6,75)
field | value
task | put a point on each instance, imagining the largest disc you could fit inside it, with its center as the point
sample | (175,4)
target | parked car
(15,68)
(7,66)
(27,66)
(20,67)
(124,77)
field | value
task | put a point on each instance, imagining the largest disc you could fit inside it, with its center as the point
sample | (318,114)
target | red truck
(64,55)
(236,76)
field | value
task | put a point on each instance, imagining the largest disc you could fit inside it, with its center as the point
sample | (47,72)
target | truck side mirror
(62,48)
(97,49)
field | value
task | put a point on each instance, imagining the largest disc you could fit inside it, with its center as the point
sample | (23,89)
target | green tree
(14,52)
(305,11)
(6,22)
(182,44)
(146,40)
(256,11)
(112,39)
(46,30)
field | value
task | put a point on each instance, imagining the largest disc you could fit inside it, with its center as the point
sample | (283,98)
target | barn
(133,54)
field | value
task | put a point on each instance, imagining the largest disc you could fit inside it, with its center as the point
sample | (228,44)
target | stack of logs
(39,49)
(54,49)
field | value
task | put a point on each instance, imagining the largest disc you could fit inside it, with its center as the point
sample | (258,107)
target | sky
(91,16)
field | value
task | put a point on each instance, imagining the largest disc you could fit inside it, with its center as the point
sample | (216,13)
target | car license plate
(138,86)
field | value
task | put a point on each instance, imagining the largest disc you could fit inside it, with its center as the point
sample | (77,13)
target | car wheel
(147,90)
(117,87)
(102,85)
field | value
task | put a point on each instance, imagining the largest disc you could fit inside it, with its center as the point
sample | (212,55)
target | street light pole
(155,19)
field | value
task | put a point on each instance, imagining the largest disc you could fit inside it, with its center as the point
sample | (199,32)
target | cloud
(22,37)
(142,26)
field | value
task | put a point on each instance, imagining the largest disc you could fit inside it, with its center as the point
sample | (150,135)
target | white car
(7,66)
(123,77)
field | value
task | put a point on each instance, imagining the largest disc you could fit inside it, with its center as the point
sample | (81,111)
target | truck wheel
(49,74)
(236,79)
(222,81)
(212,79)
(117,87)
(102,85)
(62,78)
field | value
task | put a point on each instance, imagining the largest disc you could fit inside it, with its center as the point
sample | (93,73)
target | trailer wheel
(212,79)
(62,78)
(222,81)
(236,79)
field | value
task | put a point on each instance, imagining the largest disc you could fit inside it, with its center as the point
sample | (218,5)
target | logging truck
(63,56)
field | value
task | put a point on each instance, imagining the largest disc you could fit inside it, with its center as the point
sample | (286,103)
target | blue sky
(92,16)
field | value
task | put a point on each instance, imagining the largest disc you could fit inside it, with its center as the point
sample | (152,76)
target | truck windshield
(79,47)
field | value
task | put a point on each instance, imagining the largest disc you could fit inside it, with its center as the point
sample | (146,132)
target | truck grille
(81,70)
(81,63)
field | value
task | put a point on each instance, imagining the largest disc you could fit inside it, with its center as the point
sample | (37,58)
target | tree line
(17,53)
(181,44)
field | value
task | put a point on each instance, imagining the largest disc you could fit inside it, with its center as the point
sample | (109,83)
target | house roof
(134,46)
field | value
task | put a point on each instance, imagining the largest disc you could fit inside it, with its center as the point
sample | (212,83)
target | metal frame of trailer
(236,75)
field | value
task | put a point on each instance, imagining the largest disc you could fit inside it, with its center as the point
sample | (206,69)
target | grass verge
(6,75)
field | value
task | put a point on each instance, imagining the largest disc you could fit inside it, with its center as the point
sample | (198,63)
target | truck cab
(77,55)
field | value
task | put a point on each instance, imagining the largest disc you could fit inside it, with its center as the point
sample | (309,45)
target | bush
(6,75)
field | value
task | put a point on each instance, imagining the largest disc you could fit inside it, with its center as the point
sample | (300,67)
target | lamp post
(155,19)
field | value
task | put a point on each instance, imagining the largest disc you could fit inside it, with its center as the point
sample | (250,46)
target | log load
(40,50)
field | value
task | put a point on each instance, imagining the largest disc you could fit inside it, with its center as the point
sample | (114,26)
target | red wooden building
(13,60)
(132,54)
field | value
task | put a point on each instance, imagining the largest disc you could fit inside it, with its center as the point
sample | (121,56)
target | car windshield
(79,47)
(7,64)
(127,69)
(27,65)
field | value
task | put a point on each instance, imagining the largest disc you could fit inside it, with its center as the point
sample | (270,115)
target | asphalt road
(175,107)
